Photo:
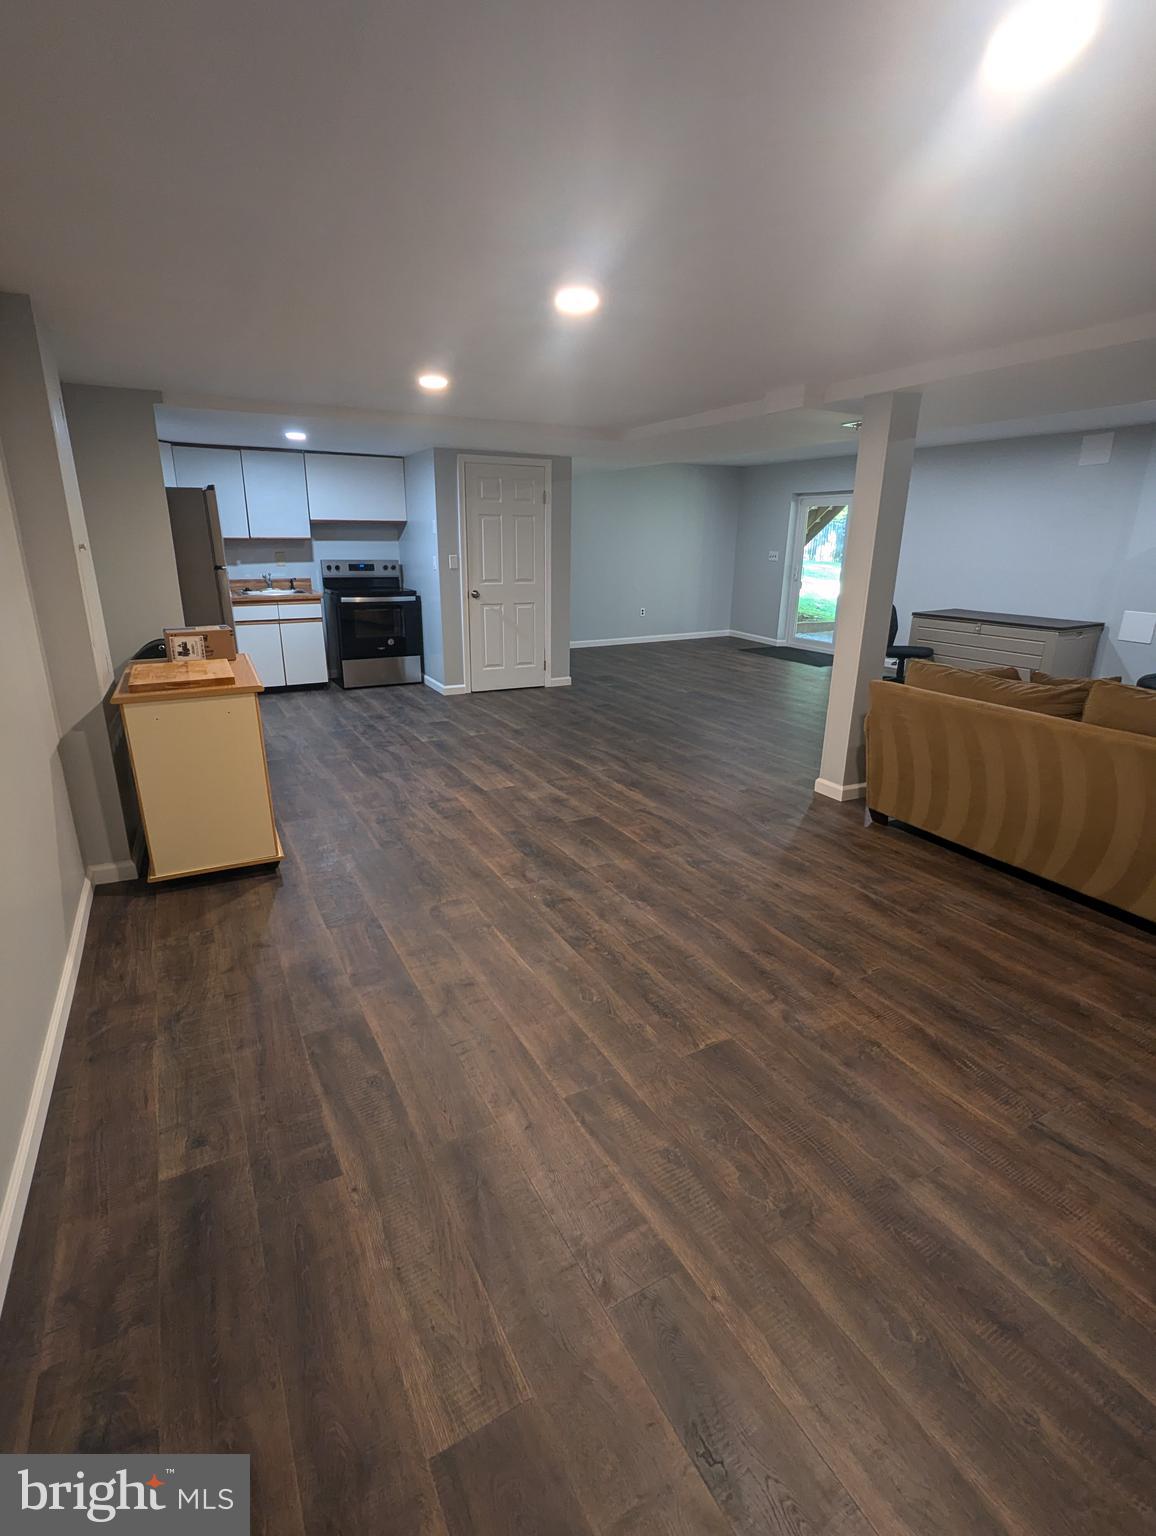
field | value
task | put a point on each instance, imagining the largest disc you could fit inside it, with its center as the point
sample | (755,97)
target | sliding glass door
(820,531)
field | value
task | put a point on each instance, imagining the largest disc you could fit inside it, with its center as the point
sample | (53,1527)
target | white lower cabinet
(262,644)
(303,650)
(285,652)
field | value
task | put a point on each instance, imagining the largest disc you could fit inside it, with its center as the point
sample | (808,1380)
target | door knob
(474,592)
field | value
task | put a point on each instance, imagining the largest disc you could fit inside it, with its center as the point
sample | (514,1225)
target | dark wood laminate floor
(587,1132)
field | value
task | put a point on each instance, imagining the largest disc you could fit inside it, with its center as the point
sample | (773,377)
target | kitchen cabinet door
(355,488)
(303,647)
(262,644)
(220,467)
(275,494)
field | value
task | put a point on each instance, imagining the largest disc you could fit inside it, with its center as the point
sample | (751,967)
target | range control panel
(362,568)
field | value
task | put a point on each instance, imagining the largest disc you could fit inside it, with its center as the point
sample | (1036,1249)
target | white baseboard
(692,634)
(444,688)
(835,791)
(557,682)
(745,634)
(24,1163)
(109,874)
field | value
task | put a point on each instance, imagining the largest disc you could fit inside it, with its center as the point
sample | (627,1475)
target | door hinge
(545,498)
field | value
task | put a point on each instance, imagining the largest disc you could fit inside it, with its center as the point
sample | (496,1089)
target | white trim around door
(463,554)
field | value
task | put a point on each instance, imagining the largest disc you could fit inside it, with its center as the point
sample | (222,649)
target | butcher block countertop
(289,592)
(244,679)
(276,597)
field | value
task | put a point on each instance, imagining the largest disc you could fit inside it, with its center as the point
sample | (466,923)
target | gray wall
(1013,526)
(450,582)
(1021,527)
(114,443)
(41,875)
(57,553)
(660,538)
(419,554)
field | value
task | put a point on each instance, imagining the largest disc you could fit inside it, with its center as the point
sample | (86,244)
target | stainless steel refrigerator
(200,551)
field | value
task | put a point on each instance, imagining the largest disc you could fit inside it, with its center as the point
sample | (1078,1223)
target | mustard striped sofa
(1072,802)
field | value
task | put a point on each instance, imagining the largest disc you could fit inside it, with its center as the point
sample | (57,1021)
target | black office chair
(1147,681)
(902,654)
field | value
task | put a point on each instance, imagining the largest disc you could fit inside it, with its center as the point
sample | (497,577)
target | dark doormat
(789,653)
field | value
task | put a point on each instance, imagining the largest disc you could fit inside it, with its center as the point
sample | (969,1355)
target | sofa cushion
(1044,677)
(1121,708)
(1012,672)
(1064,700)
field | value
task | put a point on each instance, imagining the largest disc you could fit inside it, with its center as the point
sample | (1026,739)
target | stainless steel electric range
(372,624)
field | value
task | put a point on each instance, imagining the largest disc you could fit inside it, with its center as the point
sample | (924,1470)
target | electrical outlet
(773,555)
(642,613)
(278,557)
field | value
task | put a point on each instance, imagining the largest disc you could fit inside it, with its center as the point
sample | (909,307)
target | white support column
(870,563)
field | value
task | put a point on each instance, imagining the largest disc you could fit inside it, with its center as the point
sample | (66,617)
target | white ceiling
(302,205)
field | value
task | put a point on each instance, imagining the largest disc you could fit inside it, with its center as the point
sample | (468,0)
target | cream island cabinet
(198,760)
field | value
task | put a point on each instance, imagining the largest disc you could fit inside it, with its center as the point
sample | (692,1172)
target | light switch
(1137,627)
(453,562)
(773,555)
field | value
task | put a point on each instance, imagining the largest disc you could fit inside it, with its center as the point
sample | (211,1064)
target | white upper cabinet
(275,493)
(265,493)
(355,488)
(220,467)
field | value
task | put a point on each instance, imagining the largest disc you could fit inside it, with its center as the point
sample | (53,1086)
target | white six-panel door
(505,517)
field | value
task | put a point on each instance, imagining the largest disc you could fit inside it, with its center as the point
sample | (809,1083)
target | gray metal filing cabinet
(965,637)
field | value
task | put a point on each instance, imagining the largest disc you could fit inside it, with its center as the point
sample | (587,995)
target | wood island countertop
(244,672)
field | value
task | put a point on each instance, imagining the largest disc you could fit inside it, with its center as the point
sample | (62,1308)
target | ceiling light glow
(433,383)
(295,435)
(1036,41)
(577,299)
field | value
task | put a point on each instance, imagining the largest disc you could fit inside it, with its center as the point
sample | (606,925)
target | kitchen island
(198,761)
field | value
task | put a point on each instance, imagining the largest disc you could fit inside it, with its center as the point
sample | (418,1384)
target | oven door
(375,628)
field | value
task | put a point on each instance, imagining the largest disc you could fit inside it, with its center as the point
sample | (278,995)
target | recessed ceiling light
(296,436)
(1037,40)
(577,299)
(434,383)
(851,426)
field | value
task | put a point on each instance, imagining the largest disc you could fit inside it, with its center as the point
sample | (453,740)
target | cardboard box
(201,642)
